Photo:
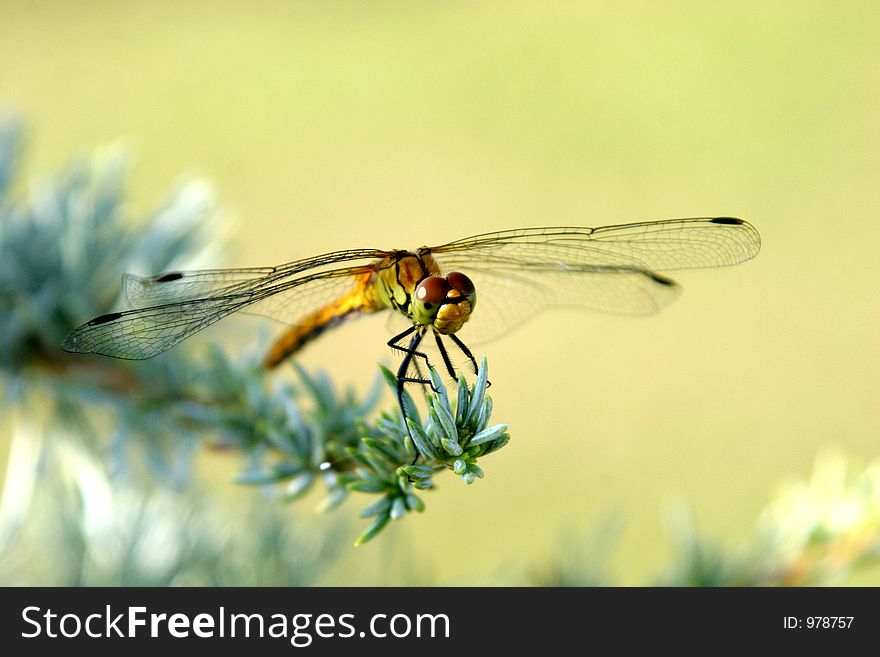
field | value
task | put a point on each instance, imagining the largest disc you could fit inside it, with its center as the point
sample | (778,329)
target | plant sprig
(453,438)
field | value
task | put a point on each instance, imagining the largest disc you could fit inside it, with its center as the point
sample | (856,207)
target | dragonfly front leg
(410,352)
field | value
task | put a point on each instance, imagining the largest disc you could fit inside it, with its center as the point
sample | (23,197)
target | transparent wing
(504,302)
(654,246)
(195,300)
(146,332)
(142,292)
(517,273)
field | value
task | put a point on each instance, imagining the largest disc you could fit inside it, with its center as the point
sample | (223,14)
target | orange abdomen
(355,303)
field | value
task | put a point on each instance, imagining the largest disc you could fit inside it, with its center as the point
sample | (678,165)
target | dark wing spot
(103,319)
(730,221)
(172,276)
(661,279)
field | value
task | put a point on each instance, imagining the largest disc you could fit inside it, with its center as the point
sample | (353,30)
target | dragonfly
(518,274)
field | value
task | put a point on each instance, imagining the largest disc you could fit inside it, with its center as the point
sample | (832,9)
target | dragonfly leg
(419,377)
(467,352)
(445,354)
(409,353)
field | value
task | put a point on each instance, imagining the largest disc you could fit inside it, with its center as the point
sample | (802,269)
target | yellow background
(331,125)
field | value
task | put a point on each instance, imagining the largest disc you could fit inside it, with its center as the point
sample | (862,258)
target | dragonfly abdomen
(359,301)
(297,336)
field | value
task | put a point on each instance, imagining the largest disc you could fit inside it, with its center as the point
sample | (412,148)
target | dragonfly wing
(517,273)
(279,305)
(146,332)
(303,299)
(652,246)
(288,293)
(507,299)
(142,292)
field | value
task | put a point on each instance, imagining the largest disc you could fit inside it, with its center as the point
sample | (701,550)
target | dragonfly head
(444,302)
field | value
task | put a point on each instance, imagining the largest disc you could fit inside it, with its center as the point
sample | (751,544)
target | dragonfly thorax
(444,302)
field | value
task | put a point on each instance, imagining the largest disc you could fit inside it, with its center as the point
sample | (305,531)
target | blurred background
(335,125)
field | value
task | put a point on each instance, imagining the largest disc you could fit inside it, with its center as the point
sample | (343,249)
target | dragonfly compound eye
(461,289)
(431,292)
(460,283)
(428,296)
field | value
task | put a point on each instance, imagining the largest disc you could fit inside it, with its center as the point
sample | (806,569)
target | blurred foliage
(66,521)
(814,532)
(581,559)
